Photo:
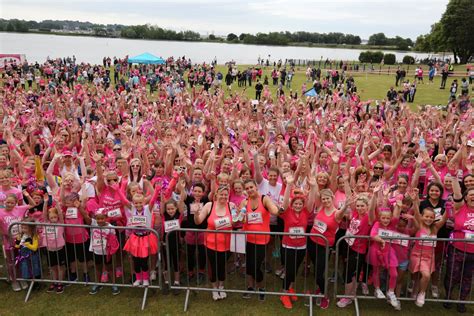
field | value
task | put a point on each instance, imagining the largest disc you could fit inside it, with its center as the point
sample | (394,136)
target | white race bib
(71,213)
(51,230)
(223,222)
(114,213)
(428,243)
(385,233)
(98,242)
(171,225)
(254,218)
(138,220)
(468,235)
(296,232)
(350,241)
(320,226)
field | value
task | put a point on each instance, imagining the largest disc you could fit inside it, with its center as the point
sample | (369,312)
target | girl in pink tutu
(382,254)
(422,258)
(141,243)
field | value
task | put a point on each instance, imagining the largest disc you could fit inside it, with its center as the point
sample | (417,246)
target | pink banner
(6,59)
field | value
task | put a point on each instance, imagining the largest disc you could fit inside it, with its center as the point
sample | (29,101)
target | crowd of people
(77,147)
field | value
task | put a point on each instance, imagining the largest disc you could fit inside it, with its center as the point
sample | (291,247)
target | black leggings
(355,264)
(217,261)
(140,264)
(293,259)
(317,253)
(191,254)
(255,254)
(174,257)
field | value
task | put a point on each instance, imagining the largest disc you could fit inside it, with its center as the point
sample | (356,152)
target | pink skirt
(422,261)
(141,246)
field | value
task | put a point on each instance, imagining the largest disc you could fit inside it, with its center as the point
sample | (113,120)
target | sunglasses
(253,143)
(117,149)
(112,180)
(135,166)
(378,168)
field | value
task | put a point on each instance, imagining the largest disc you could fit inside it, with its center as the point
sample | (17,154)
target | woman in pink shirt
(460,265)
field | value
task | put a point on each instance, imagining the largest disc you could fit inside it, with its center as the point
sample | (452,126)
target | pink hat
(67,153)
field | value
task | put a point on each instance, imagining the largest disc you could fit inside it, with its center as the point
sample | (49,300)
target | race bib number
(254,218)
(99,242)
(428,243)
(222,223)
(350,241)
(296,232)
(385,233)
(320,226)
(114,213)
(50,230)
(71,213)
(469,235)
(171,225)
(138,220)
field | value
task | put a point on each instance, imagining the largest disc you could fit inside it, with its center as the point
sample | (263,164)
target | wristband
(51,145)
(458,200)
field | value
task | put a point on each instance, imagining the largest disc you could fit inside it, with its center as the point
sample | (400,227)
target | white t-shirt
(273,192)
(98,242)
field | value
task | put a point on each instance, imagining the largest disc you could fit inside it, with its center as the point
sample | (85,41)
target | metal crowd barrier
(25,263)
(236,280)
(444,274)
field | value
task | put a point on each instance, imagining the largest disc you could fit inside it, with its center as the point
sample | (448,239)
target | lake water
(37,47)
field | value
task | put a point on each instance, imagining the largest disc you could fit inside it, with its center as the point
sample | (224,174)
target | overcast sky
(407,18)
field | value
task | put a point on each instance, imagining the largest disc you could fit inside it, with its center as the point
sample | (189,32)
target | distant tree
(212,37)
(389,59)
(408,60)
(378,39)
(231,37)
(10,27)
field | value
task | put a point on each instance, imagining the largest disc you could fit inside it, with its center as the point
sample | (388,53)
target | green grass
(371,86)
(76,301)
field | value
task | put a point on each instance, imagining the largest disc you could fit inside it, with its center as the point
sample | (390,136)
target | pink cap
(67,153)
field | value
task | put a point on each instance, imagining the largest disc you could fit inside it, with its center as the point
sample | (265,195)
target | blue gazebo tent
(146,58)
(311,93)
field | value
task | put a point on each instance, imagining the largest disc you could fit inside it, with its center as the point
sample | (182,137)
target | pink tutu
(422,260)
(141,246)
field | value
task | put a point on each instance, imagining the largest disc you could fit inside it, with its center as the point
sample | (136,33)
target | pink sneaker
(104,278)
(324,303)
(118,272)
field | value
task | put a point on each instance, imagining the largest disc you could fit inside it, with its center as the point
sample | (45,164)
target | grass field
(371,86)
(76,301)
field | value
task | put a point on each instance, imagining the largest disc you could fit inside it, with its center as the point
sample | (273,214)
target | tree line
(453,32)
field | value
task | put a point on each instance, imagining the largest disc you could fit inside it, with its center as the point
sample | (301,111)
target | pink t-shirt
(9,217)
(464,228)
(53,237)
(74,235)
(358,226)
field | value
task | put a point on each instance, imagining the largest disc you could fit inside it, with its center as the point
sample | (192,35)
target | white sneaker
(344,302)
(153,275)
(434,291)
(278,272)
(420,299)
(283,276)
(137,283)
(23,285)
(392,298)
(223,295)
(215,295)
(146,283)
(365,288)
(379,294)
(16,286)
